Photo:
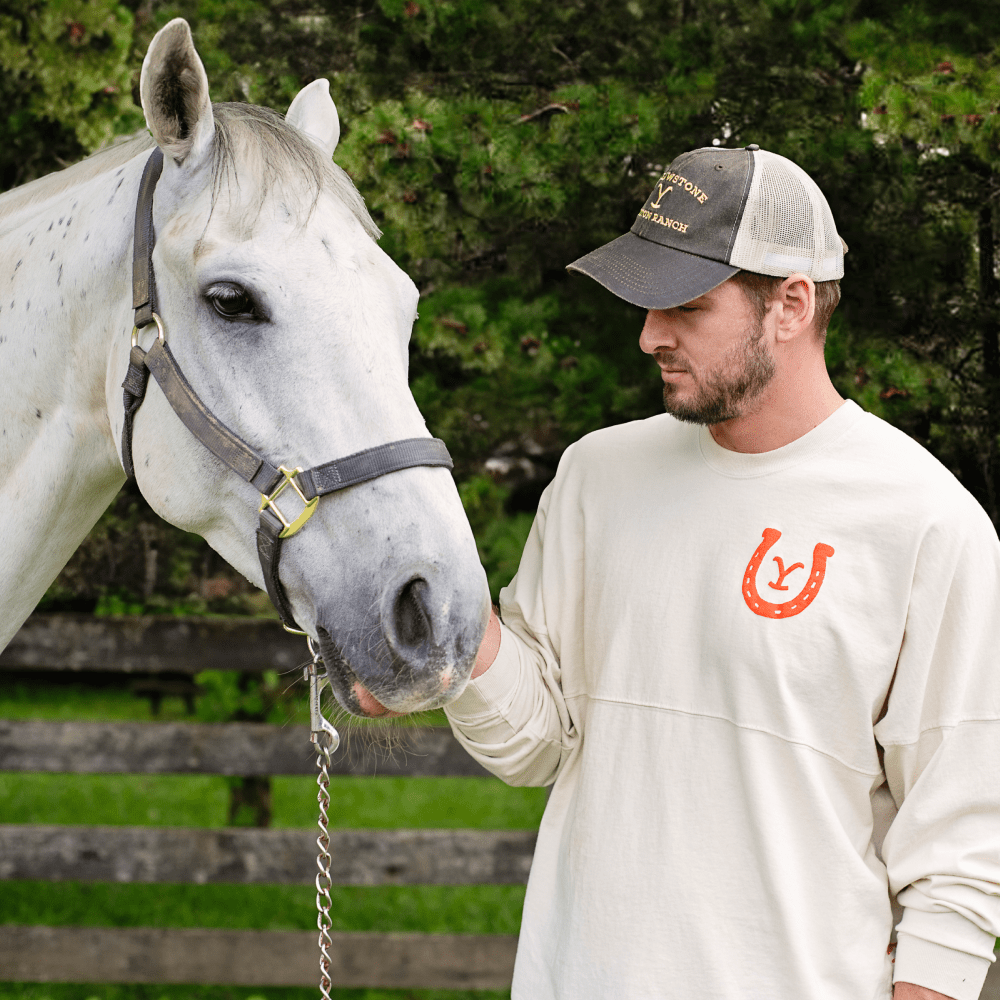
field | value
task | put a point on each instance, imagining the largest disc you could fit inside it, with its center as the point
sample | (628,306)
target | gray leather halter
(270,480)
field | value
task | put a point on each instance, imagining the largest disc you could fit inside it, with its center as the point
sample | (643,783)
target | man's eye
(232,302)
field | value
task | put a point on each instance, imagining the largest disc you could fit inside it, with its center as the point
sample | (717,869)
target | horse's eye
(232,302)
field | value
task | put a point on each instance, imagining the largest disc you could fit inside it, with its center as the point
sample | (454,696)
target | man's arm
(941,743)
(513,717)
(908,991)
(489,647)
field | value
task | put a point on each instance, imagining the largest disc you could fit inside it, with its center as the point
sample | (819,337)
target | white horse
(291,325)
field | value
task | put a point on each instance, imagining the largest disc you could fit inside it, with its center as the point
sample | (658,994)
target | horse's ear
(314,113)
(174,90)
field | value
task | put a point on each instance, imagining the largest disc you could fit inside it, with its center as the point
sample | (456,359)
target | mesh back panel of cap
(787,225)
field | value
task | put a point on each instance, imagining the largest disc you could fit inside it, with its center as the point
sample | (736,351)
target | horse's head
(292,325)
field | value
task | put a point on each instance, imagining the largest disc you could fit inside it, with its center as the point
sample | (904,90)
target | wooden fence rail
(234,748)
(152,644)
(253,958)
(284,857)
(233,855)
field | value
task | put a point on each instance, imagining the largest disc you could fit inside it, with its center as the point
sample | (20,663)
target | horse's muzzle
(414,653)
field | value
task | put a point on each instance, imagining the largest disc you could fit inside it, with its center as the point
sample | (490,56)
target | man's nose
(657,332)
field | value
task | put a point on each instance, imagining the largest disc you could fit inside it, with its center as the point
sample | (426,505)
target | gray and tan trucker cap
(715,212)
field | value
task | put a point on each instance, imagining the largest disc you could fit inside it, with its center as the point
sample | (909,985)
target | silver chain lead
(326,739)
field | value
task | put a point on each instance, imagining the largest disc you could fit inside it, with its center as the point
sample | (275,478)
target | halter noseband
(268,479)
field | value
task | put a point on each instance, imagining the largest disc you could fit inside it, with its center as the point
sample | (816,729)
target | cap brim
(650,275)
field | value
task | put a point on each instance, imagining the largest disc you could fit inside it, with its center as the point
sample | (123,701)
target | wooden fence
(233,855)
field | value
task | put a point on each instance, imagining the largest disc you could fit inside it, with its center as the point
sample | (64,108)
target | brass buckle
(269,501)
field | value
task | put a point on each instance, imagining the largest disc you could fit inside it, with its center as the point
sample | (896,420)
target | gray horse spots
(59,275)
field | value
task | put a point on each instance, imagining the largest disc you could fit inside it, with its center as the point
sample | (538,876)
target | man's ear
(314,113)
(796,300)
(175,101)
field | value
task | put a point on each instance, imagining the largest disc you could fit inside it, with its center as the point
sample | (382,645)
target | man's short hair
(760,290)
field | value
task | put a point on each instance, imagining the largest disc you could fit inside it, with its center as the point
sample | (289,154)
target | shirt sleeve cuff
(949,969)
(492,690)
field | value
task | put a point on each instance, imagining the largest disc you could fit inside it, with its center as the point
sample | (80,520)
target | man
(752,645)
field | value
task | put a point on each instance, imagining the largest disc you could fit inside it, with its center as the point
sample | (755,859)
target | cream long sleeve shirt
(766,690)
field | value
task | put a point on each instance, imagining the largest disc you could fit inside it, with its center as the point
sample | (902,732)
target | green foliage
(500,536)
(929,102)
(226,695)
(924,93)
(65,67)
(132,563)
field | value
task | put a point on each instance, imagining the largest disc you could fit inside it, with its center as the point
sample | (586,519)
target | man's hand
(909,991)
(489,647)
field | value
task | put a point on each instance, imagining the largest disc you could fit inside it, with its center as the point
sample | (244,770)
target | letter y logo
(806,595)
(662,191)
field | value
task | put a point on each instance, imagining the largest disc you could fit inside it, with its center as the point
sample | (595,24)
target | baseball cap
(715,212)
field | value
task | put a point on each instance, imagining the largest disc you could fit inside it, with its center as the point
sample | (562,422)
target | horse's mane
(279,150)
(241,130)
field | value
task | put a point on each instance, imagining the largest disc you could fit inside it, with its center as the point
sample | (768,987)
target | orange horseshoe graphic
(806,595)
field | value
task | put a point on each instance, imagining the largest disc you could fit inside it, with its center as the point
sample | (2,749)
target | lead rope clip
(326,739)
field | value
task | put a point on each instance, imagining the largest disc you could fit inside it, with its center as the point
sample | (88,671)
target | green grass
(438,909)
(198,800)
(76,703)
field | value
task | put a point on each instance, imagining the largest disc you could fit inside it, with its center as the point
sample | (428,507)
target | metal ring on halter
(160,333)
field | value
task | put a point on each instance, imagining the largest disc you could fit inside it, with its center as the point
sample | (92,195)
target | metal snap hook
(318,725)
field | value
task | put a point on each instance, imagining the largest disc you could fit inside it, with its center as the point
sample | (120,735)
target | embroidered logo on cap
(683,184)
(662,220)
(664,186)
(805,597)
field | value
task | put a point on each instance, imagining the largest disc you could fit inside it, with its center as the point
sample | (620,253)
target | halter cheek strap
(269,480)
(143,299)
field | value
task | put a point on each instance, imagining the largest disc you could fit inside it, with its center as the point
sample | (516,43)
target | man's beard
(729,390)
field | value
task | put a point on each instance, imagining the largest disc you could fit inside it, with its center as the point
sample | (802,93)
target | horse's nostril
(411,619)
